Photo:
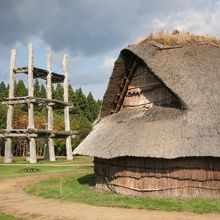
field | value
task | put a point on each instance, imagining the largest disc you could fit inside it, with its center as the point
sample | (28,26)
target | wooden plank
(40,132)
(50,140)
(32,141)
(11,89)
(10,110)
(32,146)
(69,152)
(35,100)
(125,88)
(17,135)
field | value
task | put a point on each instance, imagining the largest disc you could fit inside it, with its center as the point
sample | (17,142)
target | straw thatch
(192,73)
(178,37)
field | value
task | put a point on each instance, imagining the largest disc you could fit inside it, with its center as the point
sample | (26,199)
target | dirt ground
(14,201)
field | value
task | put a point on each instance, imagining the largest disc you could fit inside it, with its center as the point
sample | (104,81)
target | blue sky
(93,32)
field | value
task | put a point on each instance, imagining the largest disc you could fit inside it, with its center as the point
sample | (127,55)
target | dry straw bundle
(179,37)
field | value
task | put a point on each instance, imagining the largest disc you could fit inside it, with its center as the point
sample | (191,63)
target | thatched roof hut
(159,128)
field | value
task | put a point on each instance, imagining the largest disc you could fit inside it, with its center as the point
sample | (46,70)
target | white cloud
(204,21)
(108,63)
(94,31)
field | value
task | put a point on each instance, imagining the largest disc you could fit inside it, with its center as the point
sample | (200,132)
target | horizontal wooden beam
(37,133)
(15,130)
(41,73)
(50,132)
(18,98)
(14,135)
(146,86)
(35,100)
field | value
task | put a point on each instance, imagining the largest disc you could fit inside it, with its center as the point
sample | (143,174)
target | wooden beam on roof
(124,88)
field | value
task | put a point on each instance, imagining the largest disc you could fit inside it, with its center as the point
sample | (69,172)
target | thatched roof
(192,72)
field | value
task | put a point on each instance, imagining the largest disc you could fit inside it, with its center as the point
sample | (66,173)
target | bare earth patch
(15,201)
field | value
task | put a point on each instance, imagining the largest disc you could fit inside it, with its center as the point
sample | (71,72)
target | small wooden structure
(31,133)
(158,131)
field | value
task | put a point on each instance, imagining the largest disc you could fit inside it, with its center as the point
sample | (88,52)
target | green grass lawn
(80,188)
(4,216)
(59,160)
(17,168)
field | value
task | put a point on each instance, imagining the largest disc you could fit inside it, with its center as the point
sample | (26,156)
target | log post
(66,109)
(10,111)
(50,108)
(32,142)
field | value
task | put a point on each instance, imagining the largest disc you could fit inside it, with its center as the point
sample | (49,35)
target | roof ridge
(180,45)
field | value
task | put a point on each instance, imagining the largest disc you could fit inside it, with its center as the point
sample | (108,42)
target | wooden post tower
(31,133)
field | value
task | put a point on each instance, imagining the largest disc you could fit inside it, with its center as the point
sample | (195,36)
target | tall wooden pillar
(50,108)
(10,111)
(69,152)
(32,142)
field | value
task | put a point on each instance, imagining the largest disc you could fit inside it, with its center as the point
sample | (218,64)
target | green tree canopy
(3,112)
(3,91)
(37,88)
(20,89)
(43,92)
(80,103)
(71,94)
(59,92)
(93,107)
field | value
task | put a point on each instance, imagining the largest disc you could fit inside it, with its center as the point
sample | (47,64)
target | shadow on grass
(42,159)
(87,180)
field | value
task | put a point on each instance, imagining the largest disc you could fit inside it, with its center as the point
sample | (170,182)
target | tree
(81,124)
(79,102)
(93,108)
(20,121)
(37,88)
(40,122)
(58,122)
(60,144)
(43,92)
(20,89)
(59,92)
(3,91)
(53,91)
(71,94)
(3,116)
(99,103)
